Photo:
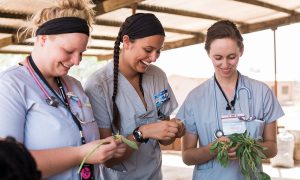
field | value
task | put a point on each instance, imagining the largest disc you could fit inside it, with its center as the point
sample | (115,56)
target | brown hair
(61,8)
(223,29)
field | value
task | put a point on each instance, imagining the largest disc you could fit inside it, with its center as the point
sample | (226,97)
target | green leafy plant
(248,152)
(130,143)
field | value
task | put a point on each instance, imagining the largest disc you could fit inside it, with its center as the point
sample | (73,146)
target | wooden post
(275,61)
(133,7)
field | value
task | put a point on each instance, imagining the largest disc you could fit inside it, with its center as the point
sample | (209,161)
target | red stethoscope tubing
(30,69)
(35,78)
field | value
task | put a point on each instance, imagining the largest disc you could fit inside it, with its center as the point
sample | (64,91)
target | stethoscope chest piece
(52,101)
(218,133)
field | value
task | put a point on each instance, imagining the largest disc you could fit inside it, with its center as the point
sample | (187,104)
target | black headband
(64,25)
(143,25)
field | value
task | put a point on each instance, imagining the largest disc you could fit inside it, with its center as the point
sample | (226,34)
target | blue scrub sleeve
(12,111)
(272,109)
(98,101)
(186,115)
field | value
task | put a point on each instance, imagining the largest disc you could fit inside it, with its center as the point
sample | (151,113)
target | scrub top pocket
(87,112)
(256,128)
(116,172)
(146,118)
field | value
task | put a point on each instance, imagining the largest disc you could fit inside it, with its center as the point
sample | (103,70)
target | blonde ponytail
(61,8)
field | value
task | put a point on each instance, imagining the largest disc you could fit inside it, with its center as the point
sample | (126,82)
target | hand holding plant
(181,127)
(248,152)
(116,137)
(221,147)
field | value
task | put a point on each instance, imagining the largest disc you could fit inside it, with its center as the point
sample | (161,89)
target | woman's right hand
(103,153)
(161,130)
(121,149)
(231,151)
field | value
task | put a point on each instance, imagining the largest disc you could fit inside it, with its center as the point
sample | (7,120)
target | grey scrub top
(198,114)
(146,162)
(25,115)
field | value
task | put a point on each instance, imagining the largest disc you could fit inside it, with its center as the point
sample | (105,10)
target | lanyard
(230,105)
(62,93)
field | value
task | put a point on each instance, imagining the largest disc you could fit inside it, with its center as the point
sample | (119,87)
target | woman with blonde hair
(46,109)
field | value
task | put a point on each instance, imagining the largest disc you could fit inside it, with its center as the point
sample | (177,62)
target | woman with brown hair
(225,104)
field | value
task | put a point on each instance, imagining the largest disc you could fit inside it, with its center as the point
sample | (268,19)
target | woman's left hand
(181,127)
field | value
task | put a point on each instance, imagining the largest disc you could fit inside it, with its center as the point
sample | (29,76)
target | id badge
(232,124)
(87,172)
(161,98)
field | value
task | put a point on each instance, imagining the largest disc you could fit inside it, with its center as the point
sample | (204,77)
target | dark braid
(137,26)
(116,113)
(16,162)
(141,83)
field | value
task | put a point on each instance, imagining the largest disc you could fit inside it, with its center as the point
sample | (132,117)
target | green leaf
(225,160)
(248,152)
(257,161)
(90,153)
(265,176)
(260,153)
(213,147)
(243,162)
(219,156)
(130,143)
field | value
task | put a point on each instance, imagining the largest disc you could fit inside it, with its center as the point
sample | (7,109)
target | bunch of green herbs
(248,152)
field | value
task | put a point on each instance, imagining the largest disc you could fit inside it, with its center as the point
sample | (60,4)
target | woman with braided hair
(46,109)
(132,97)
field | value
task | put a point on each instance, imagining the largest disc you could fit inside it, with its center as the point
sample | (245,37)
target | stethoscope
(219,132)
(65,101)
(53,101)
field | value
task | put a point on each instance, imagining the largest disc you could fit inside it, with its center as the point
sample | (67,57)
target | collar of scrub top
(32,67)
(230,105)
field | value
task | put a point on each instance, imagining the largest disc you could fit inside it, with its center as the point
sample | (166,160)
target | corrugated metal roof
(185,21)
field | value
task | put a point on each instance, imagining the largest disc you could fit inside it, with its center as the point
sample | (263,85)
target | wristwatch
(138,136)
